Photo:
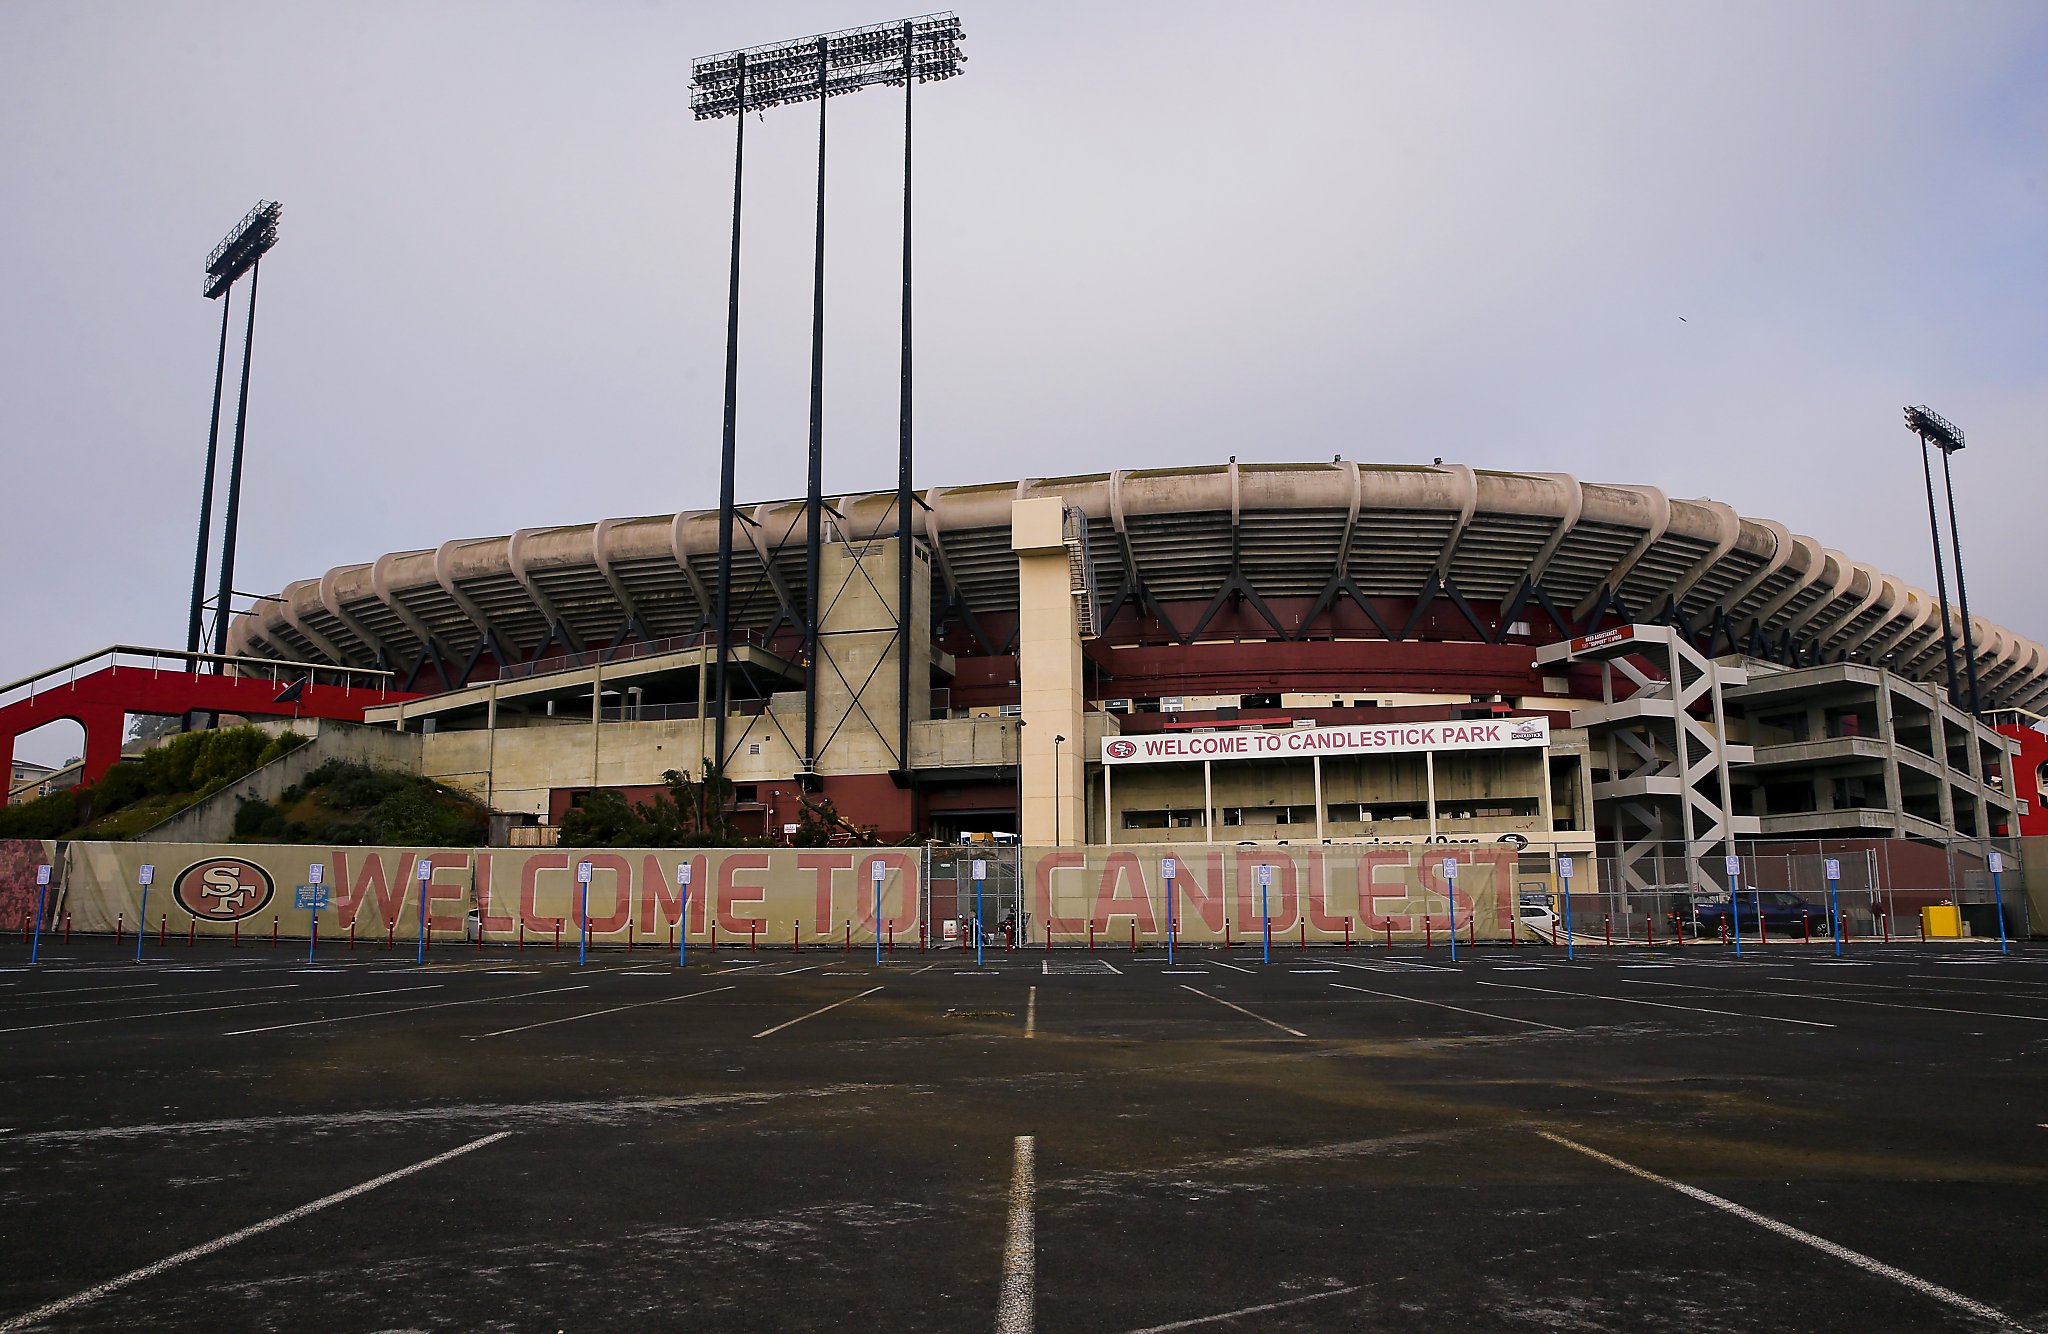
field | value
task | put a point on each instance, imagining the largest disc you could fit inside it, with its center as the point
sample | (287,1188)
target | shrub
(52,816)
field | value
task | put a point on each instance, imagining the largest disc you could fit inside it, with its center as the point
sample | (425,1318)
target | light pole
(735,83)
(241,252)
(1933,430)
(1949,439)
(1057,742)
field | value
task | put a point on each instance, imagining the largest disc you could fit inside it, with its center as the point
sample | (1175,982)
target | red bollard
(629,936)
(849,937)
(1304,934)
(1923,928)
(796,938)
(892,939)
(1390,931)
(1347,933)
(191,933)
(1887,927)
(238,935)
(1048,940)
(163,929)
(1724,932)
(390,931)
(751,928)
(273,932)
(1650,931)
(1091,937)
(1428,931)
(67,928)
(479,934)
(714,937)
(351,935)
(1806,927)
(522,934)
(1226,935)
(1607,926)
(1472,933)
(117,927)
(558,934)
(1134,935)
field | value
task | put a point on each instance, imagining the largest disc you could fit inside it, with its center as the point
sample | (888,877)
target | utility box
(1942,921)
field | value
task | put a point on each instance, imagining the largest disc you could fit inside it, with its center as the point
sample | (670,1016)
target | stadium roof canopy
(1287,532)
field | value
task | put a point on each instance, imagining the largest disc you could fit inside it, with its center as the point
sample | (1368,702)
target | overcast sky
(1148,234)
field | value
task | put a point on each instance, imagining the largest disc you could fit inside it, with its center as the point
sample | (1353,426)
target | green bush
(45,817)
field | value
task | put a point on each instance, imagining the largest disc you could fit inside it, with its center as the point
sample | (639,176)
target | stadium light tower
(1945,436)
(732,83)
(242,252)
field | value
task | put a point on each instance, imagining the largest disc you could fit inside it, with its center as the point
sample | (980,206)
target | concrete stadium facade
(1227,596)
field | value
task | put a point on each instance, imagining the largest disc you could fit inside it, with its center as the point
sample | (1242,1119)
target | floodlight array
(855,58)
(252,238)
(1933,427)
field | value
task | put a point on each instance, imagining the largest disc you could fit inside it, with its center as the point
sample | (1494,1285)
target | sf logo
(223,889)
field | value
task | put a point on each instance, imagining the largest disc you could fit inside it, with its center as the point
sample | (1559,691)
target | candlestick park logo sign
(223,889)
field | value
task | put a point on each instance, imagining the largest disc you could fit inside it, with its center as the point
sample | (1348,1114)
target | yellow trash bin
(1942,920)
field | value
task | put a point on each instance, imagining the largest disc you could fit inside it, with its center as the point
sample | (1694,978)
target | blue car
(1781,911)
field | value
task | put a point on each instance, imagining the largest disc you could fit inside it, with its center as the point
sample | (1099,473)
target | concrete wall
(213,820)
(1049,674)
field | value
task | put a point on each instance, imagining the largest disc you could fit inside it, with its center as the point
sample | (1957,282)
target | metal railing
(567,662)
(159,660)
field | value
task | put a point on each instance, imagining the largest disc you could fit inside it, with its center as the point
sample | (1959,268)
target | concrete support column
(1048,671)
(1429,774)
(1108,807)
(1208,802)
(1317,762)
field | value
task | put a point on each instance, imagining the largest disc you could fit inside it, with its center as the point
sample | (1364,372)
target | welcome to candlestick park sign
(1303,742)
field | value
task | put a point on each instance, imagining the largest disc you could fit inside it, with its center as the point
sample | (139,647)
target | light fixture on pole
(1947,437)
(1930,429)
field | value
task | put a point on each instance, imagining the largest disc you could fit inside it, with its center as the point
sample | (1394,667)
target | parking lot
(1633,1139)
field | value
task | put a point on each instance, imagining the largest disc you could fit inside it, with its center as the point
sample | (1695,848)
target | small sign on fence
(1997,863)
(1834,868)
(1167,866)
(1265,876)
(879,870)
(146,876)
(1451,869)
(316,874)
(43,875)
(980,869)
(1564,867)
(1735,866)
(582,873)
(683,874)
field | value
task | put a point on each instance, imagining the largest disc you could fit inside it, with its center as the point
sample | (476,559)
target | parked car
(1541,921)
(1780,910)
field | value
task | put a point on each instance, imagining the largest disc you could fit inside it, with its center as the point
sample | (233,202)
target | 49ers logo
(1121,750)
(223,889)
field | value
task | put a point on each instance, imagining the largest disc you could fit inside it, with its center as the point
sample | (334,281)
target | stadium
(1053,616)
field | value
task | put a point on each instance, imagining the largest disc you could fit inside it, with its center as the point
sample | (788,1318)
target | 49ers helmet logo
(1121,750)
(223,889)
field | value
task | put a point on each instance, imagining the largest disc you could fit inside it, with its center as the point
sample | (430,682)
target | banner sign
(1302,742)
(772,894)
(1323,894)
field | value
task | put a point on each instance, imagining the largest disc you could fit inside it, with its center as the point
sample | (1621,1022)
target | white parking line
(769,1032)
(98,1290)
(1237,967)
(136,1018)
(405,1009)
(1555,1028)
(1804,1238)
(592,1014)
(1294,1032)
(1016,1305)
(1661,1005)
(1244,1310)
(179,996)
(1853,1000)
